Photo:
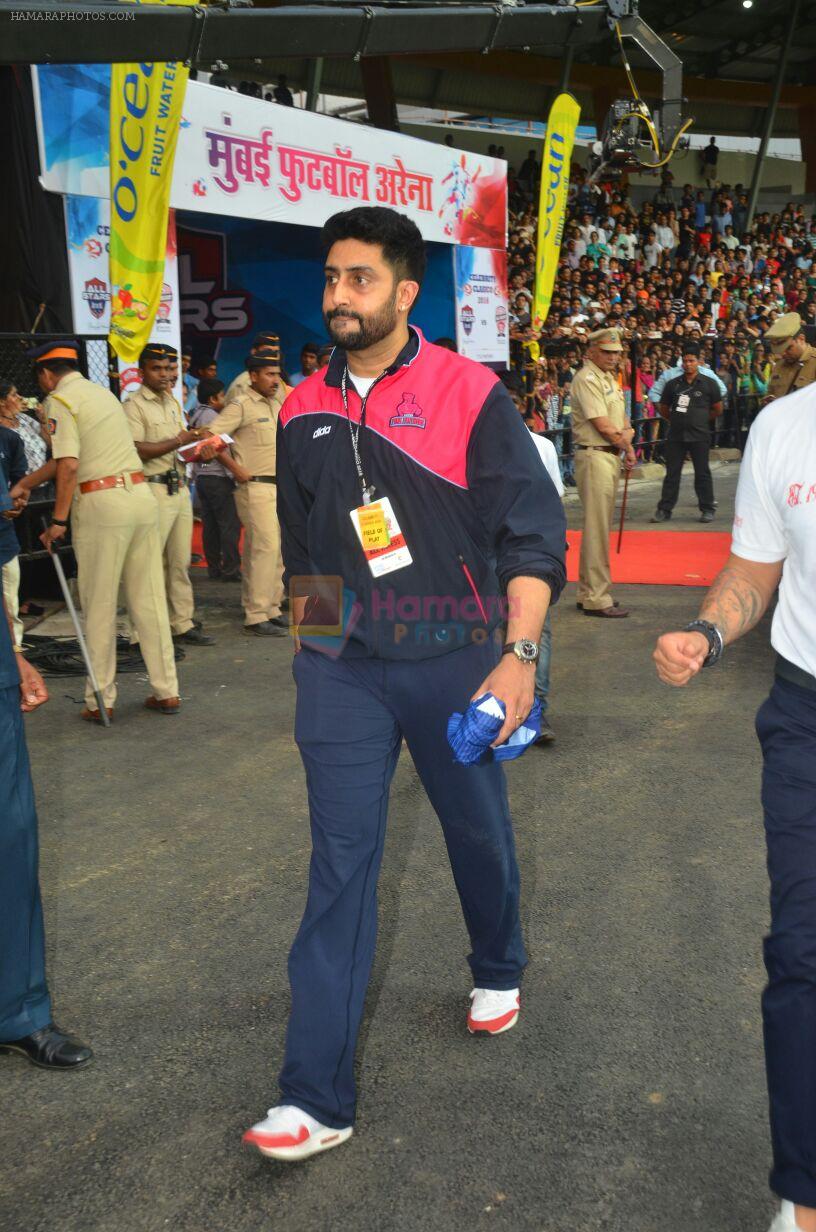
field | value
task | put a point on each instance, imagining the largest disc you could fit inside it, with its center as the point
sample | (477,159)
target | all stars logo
(467,317)
(96,296)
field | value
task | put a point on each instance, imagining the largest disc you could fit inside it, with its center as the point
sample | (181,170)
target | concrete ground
(630,1098)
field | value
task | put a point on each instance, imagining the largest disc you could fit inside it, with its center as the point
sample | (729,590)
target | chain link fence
(96,361)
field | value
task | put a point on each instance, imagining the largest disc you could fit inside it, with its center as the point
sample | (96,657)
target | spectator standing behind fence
(795,358)
(32,431)
(601,431)
(13,465)
(215,486)
(690,403)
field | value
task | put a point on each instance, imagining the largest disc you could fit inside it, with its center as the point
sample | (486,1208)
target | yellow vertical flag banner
(552,211)
(145,111)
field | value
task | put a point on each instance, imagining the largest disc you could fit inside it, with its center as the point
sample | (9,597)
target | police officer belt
(165,478)
(786,670)
(263,479)
(111,481)
(601,448)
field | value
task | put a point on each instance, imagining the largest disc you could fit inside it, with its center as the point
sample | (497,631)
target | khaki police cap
(783,331)
(606,340)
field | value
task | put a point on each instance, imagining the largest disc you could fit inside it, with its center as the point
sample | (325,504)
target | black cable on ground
(61,656)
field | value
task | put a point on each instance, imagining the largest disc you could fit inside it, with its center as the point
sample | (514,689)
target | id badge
(381,539)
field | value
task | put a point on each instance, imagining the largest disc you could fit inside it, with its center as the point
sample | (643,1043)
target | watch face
(526,649)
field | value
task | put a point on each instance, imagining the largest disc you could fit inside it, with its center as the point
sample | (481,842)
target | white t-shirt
(549,456)
(775,516)
(652,253)
(362,383)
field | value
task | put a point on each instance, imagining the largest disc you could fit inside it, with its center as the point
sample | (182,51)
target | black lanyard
(367,490)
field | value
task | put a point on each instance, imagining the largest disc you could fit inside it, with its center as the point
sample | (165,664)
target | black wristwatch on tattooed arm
(716,642)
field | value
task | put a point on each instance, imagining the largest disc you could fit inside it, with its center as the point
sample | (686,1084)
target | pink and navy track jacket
(444,442)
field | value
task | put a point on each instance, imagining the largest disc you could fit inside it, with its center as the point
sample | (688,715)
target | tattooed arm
(736,602)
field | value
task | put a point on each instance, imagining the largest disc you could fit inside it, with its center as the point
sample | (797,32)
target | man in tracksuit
(408,482)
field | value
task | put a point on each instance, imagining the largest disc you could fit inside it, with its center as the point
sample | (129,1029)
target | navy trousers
(786,726)
(24,1002)
(350,720)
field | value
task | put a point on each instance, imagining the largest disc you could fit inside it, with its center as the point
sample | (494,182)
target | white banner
(248,158)
(482,331)
(87,227)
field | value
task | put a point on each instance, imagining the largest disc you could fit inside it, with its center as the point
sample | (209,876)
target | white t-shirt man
(652,252)
(775,516)
(665,237)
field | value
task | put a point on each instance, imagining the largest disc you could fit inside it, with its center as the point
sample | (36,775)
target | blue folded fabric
(471,734)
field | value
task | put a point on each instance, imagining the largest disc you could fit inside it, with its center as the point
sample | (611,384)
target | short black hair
(310,348)
(403,247)
(208,387)
(692,348)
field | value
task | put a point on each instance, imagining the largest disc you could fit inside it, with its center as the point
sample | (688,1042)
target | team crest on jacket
(408,415)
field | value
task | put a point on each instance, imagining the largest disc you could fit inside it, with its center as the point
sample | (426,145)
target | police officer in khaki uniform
(251,420)
(267,344)
(795,358)
(600,431)
(157,426)
(101,484)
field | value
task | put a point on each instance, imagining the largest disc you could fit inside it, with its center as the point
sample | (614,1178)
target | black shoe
(194,637)
(547,734)
(214,574)
(580,605)
(661,516)
(50,1048)
(266,628)
(281,621)
(707,515)
(231,577)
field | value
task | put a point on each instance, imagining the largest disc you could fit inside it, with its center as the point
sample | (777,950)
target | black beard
(371,329)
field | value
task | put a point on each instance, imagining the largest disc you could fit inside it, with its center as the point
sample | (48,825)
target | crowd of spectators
(682,265)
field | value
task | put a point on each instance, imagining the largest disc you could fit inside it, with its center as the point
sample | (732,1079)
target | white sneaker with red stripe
(493,1010)
(786,1219)
(288,1133)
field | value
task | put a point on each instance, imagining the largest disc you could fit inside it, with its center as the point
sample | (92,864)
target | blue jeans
(350,719)
(786,726)
(542,675)
(24,1002)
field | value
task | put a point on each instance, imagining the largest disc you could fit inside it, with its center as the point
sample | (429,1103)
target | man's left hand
(512,683)
(52,535)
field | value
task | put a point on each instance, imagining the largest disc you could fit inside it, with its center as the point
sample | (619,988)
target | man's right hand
(679,656)
(33,692)
(188,435)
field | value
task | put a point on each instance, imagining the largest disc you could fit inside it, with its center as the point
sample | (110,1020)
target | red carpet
(660,557)
(648,557)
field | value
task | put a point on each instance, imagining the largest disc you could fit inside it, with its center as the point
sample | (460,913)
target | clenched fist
(679,656)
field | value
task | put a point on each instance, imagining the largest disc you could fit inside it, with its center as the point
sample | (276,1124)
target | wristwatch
(524,650)
(716,642)
(59,522)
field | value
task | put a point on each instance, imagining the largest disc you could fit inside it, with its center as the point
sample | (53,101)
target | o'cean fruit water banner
(145,111)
